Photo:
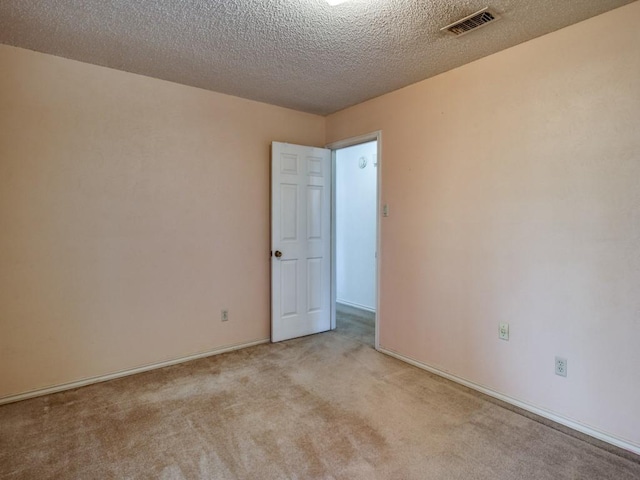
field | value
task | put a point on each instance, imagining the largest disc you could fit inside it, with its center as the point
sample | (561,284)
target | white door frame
(349,142)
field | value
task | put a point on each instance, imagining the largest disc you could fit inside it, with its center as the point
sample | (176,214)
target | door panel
(289,213)
(314,284)
(300,231)
(314,213)
(289,287)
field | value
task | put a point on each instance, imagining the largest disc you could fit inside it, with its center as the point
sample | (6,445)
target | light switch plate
(503,331)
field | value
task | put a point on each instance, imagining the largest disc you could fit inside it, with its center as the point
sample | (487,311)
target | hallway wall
(356,225)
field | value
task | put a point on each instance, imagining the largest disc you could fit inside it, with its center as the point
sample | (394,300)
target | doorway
(355,245)
(304,280)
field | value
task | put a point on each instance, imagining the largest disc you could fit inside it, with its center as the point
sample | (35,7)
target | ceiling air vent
(472,22)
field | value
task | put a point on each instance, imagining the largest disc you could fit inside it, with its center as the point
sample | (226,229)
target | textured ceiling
(302,54)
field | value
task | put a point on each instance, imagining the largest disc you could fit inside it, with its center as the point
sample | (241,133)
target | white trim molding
(356,305)
(357,140)
(542,412)
(124,373)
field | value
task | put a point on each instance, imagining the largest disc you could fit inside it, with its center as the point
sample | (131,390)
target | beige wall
(131,211)
(514,192)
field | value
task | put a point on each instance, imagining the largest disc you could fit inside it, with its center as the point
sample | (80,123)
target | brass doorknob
(278,253)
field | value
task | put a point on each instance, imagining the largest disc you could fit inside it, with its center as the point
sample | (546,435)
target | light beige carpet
(326,406)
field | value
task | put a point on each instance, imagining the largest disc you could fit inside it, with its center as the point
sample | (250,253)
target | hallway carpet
(326,406)
(358,325)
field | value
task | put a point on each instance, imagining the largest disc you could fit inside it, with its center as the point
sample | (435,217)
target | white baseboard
(124,373)
(567,422)
(356,305)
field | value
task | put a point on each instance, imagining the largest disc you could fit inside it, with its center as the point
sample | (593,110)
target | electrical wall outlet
(224,315)
(561,366)
(503,331)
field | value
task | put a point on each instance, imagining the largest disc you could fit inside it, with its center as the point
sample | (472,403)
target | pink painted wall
(514,191)
(131,211)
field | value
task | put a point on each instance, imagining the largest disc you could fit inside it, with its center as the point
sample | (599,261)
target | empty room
(176,298)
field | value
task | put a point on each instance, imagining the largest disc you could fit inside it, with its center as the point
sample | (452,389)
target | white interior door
(300,240)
